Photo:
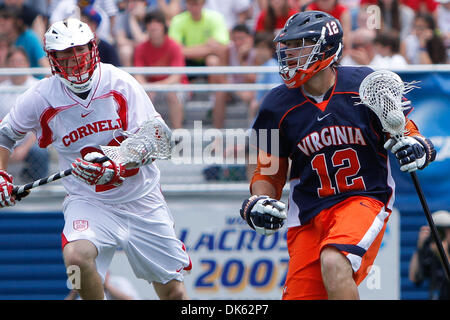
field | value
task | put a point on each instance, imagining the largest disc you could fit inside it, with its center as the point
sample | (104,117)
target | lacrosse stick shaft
(434,232)
(19,190)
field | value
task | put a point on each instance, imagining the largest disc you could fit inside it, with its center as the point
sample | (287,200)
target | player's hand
(6,188)
(412,152)
(97,173)
(263,214)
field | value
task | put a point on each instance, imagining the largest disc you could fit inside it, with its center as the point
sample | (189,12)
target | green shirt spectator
(200,31)
(189,32)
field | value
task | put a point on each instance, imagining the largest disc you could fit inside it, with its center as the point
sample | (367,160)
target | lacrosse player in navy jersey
(341,188)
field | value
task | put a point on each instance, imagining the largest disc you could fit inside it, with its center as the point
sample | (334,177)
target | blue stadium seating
(31,263)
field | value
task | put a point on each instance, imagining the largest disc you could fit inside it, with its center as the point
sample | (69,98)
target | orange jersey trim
(411,128)
(267,162)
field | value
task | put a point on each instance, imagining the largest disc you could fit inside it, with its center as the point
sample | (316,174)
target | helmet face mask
(73,53)
(309,42)
(294,57)
(75,64)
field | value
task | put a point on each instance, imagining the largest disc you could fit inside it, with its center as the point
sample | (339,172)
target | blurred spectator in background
(387,46)
(424,45)
(363,51)
(62,9)
(32,161)
(201,32)
(443,23)
(204,37)
(301,5)
(340,12)
(256,6)
(13,27)
(240,53)
(265,51)
(107,52)
(274,16)
(422,6)
(160,51)
(107,9)
(4,47)
(426,263)
(396,17)
(418,6)
(234,11)
(129,29)
(170,8)
(31,15)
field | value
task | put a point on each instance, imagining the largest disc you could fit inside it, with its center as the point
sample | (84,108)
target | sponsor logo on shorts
(80,225)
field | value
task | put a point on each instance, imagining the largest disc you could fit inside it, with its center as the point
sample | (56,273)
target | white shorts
(143,228)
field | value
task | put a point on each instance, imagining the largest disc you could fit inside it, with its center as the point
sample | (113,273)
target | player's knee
(79,254)
(177,293)
(173,290)
(334,265)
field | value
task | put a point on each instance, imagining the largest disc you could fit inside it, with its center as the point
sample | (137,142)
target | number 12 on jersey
(345,178)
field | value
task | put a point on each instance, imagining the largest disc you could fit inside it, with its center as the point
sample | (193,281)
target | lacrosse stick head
(151,141)
(382,91)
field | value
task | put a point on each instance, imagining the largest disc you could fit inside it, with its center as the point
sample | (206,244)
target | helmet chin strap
(82,87)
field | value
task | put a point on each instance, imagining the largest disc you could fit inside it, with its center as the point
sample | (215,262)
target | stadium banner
(231,261)
(431,113)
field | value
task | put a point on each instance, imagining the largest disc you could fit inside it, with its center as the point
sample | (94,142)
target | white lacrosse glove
(98,173)
(6,188)
(263,214)
(412,152)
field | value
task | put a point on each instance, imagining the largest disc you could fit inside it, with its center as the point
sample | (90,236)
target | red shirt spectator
(337,11)
(430,5)
(340,12)
(274,17)
(169,54)
(162,51)
(279,22)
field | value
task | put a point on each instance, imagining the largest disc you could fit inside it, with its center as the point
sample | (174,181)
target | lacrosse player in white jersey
(83,105)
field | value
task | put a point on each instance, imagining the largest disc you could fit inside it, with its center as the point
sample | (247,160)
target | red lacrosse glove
(98,173)
(6,188)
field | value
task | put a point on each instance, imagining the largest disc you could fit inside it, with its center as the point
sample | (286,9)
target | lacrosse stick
(382,91)
(151,141)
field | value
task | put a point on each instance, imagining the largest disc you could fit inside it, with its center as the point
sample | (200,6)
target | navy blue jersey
(336,147)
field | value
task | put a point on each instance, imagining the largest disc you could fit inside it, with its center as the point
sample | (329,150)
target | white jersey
(75,126)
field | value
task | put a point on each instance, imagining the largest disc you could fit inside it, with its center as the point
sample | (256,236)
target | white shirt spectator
(230,9)
(69,8)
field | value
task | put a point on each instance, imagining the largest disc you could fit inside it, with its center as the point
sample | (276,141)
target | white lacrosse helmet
(77,70)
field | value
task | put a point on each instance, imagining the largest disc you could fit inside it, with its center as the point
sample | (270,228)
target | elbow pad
(9,136)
